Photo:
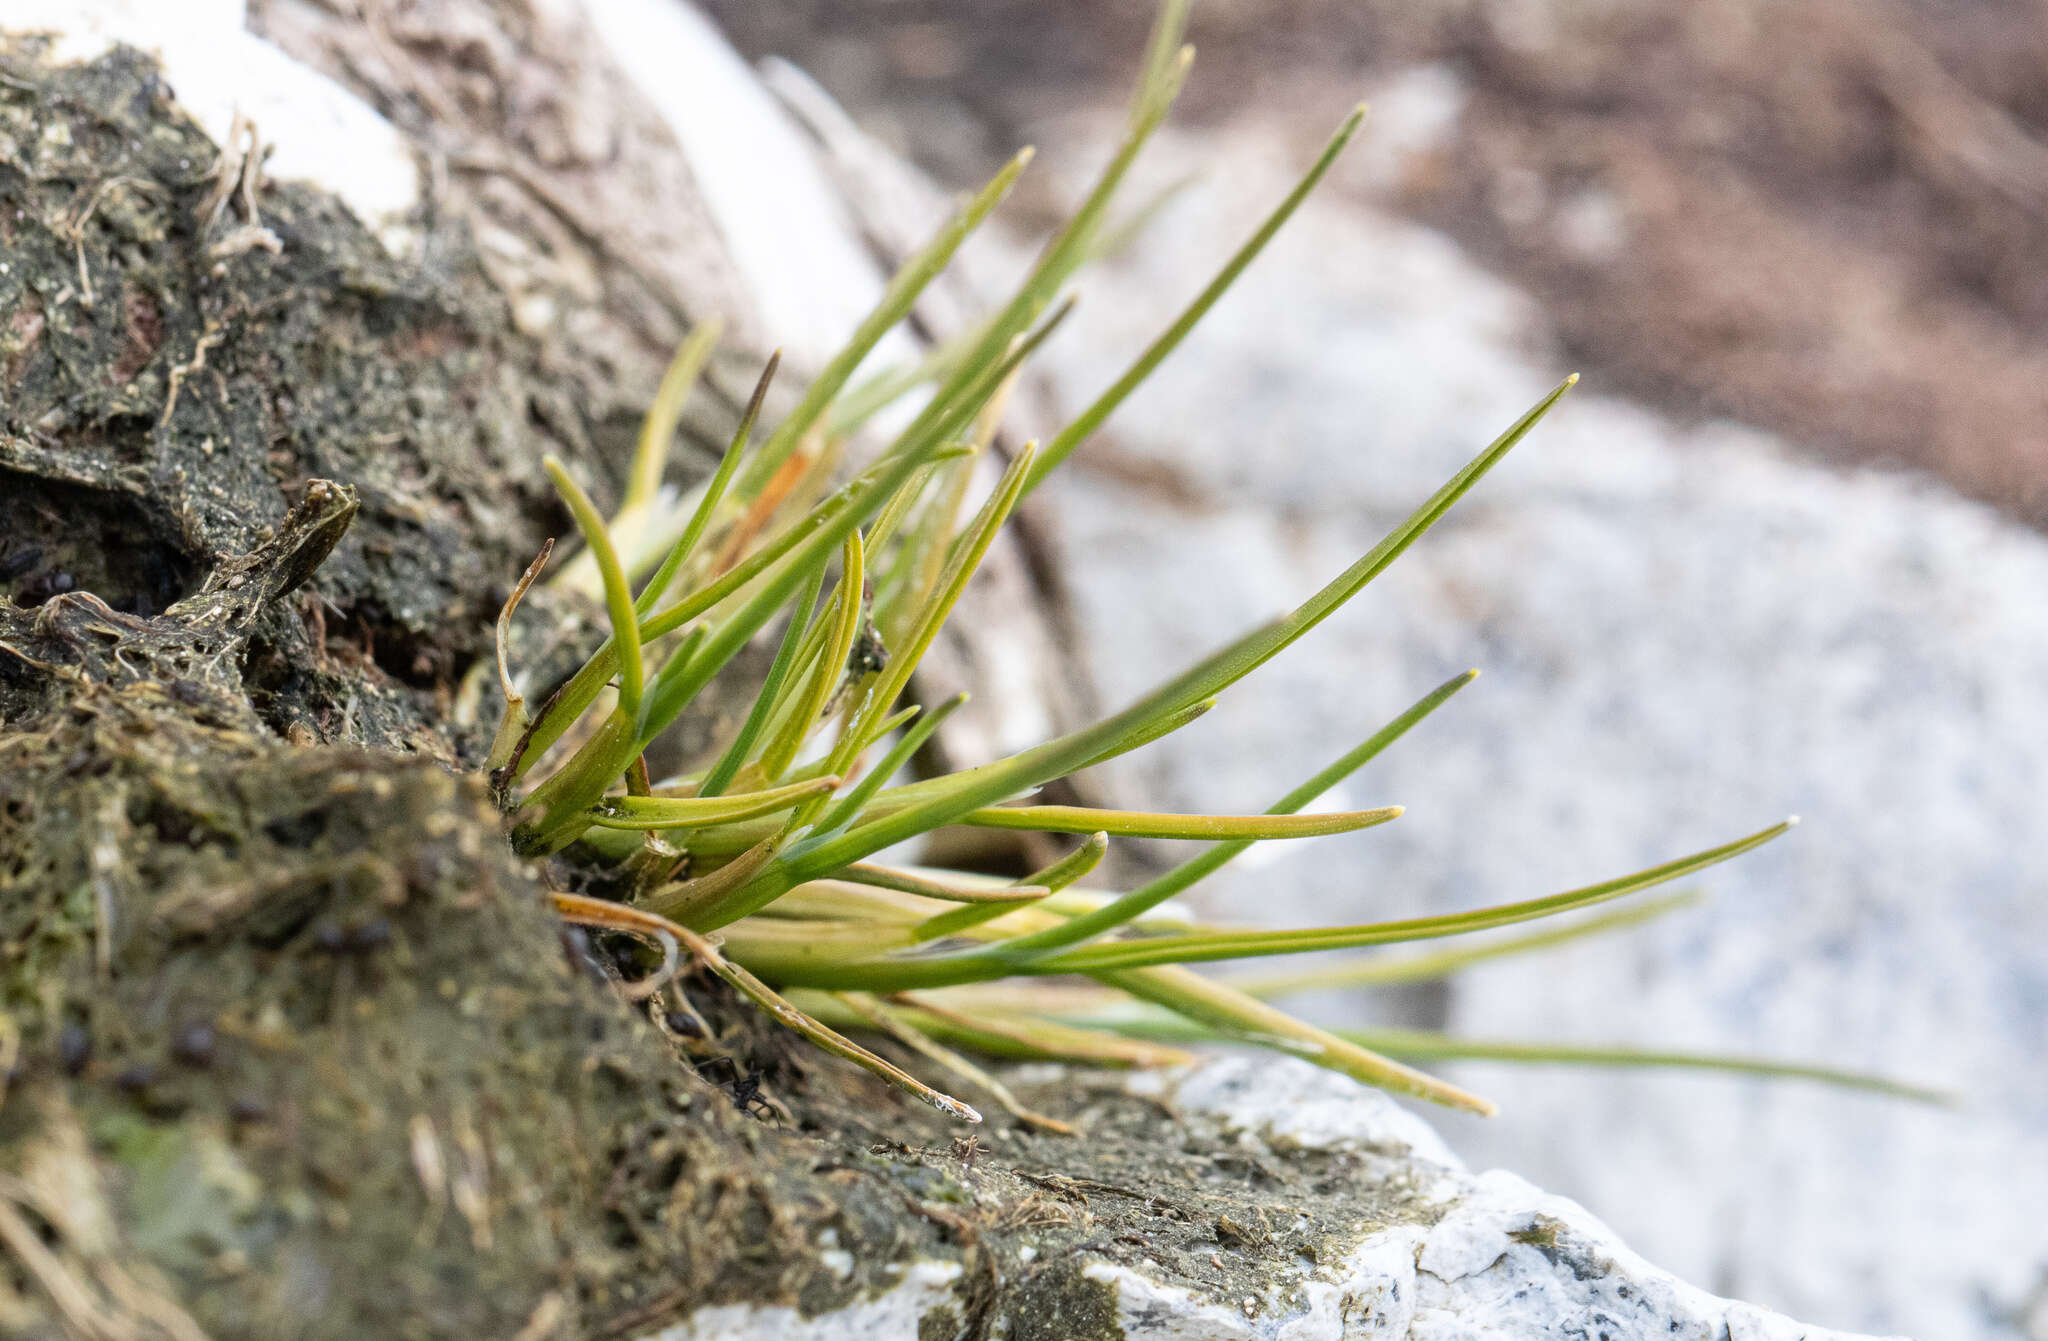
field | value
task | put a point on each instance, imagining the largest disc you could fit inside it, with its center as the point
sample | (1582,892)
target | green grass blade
(689,812)
(1105,405)
(793,692)
(714,494)
(1052,879)
(1425,1045)
(903,660)
(1390,970)
(886,525)
(1146,824)
(895,303)
(575,697)
(685,648)
(1117,236)
(812,536)
(1069,247)
(564,797)
(1155,730)
(865,400)
(922,560)
(1206,946)
(680,899)
(1073,868)
(970,790)
(913,740)
(802,546)
(910,793)
(1018,955)
(1218,1006)
(803,543)
(729,763)
(658,426)
(841,900)
(1163,70)
(976,788)
(1163,51)
(618,598)
(1225,667)
(1013,1035)
(948,886)
(1156,892)
(960,920)
(830,666)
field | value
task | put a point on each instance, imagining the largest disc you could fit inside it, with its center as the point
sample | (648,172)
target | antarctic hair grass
(764,862)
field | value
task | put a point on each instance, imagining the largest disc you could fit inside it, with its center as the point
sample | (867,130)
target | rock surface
(1433,1252)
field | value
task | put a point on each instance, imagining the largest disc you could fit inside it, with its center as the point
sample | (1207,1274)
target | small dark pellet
(74,1048)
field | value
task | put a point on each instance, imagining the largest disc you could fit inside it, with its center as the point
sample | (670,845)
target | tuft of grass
(766,863)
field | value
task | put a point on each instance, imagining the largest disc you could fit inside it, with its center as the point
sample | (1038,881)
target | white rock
(1289,1104)
(1493,1258)
(890,1313)
(787,231)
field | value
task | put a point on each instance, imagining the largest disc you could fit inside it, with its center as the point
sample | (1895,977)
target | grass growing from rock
(769,862)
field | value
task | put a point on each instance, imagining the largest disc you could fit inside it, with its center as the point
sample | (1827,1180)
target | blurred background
(1781,553)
